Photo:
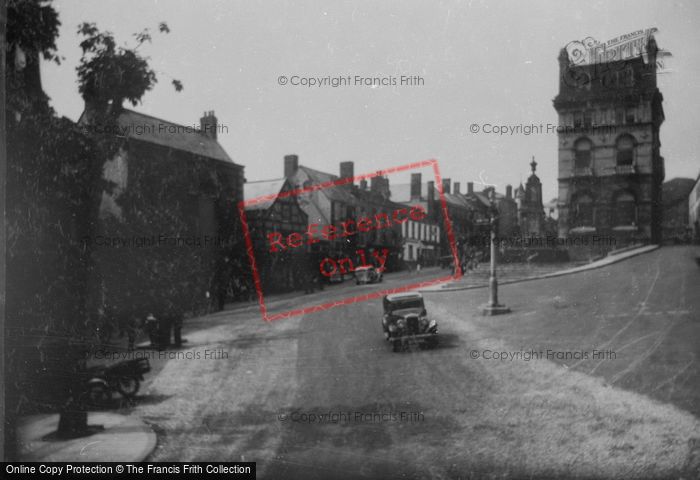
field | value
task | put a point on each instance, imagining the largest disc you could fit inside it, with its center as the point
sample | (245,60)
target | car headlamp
(401,323)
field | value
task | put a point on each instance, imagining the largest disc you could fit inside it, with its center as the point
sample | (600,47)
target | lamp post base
(491,310)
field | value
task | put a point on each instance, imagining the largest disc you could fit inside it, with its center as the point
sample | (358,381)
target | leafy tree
(51,178)
(53,189)
(109,74)
(32,29)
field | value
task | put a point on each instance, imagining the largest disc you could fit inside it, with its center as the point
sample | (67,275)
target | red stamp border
(349,301)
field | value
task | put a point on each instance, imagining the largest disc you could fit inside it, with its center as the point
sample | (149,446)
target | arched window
(625,209)
(625,150)
(582,152)
(583,211)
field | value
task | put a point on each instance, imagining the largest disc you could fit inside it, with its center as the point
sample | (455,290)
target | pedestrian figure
(477,257)
(245,296)
(152,330)
(177,329)
(165,325)
(208,297)
(309,277)
(221,295)
(132,328)
(308,283)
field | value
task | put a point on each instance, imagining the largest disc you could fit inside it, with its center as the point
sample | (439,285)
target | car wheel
(128,386)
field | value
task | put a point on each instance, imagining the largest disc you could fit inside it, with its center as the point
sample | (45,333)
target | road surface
(323,396)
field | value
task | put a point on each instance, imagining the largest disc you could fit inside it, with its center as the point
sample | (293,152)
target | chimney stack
(291,165)
(446,185)
(208,124)
(380,185)
(415,186)
(456,189)
(509,192)
(347,170)
(470,187)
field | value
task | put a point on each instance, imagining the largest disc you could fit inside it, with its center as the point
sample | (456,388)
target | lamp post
(493,307)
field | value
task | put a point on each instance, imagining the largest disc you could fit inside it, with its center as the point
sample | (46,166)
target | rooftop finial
(533,164)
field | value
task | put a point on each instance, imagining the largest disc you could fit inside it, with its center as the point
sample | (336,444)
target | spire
(533,164)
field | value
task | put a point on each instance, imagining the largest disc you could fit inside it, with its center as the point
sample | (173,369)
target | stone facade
(171,200)
(610,166)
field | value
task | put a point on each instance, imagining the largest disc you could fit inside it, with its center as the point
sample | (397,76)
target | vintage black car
(124,377)
(405,321)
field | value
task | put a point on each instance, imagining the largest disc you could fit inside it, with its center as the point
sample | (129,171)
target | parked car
(124,377)
(405,321)
(368,274)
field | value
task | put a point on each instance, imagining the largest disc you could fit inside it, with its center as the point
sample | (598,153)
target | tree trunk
(7,439)
(70,359)
(72,422)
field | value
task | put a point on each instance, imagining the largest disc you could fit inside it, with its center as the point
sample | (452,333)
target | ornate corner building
(610,166)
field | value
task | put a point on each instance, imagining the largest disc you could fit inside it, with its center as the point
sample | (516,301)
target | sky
(480,62)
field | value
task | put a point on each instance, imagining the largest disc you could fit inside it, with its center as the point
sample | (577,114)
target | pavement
(513,273)
(125,438)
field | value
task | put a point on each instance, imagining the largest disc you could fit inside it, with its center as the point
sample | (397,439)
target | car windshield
(410,303)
